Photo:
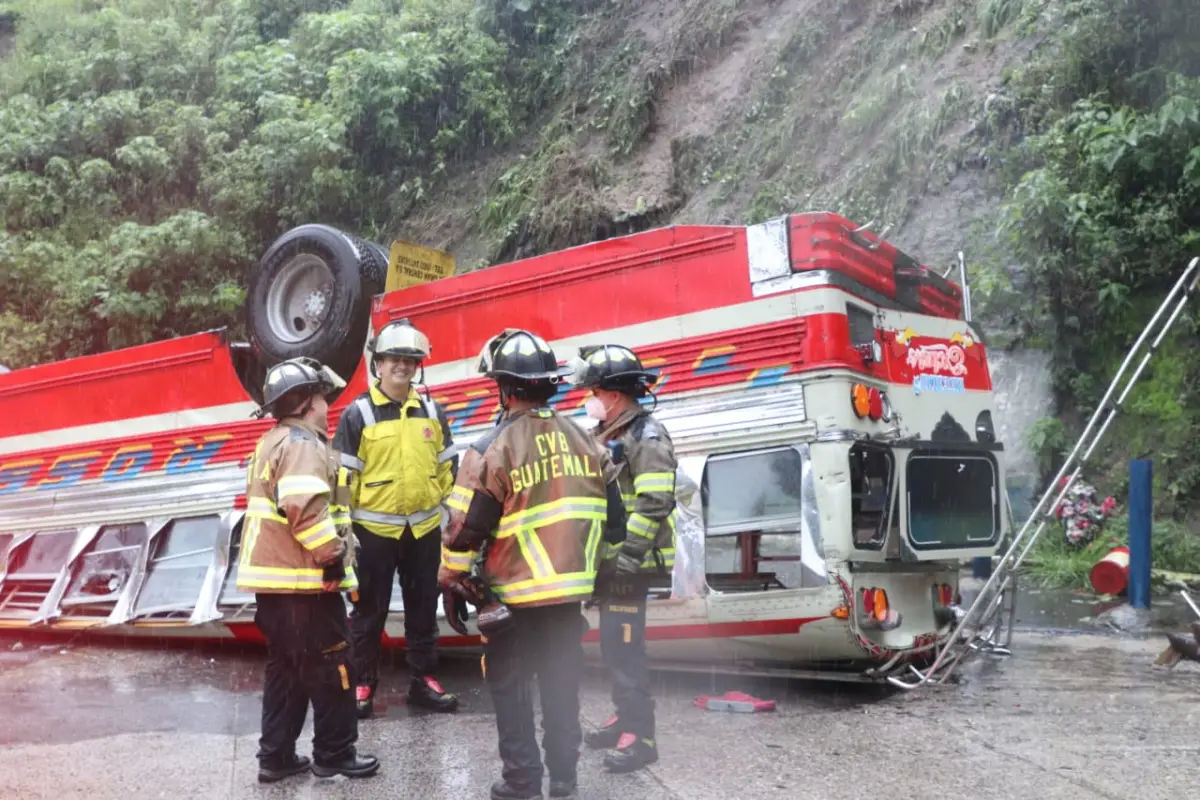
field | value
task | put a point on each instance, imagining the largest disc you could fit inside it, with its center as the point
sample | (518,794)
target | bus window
(871,469)
(748,490)
(101,573)
(753,531)
(178,567)
(952,500)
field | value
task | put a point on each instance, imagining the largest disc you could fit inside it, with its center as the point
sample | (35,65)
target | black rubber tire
(356,274)
(380,266)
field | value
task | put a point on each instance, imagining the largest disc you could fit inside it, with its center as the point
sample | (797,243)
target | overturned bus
(830,403)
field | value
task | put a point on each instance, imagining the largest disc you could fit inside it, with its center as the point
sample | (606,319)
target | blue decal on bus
(126,464)
(189,456)
(68,470)
(15,475)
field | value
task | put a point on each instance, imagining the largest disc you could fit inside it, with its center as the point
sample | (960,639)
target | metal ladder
(987,624)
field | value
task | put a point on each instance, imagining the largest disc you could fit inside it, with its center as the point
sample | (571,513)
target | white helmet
(400,338)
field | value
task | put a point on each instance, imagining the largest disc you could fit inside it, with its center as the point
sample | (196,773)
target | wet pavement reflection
(1066,716)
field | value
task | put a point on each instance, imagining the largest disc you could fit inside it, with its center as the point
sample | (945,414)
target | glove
(460,584)
(447,577)
(627,563)
(455,606)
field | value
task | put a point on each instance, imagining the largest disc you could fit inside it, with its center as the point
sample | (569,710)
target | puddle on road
(91,691)
(1066,609)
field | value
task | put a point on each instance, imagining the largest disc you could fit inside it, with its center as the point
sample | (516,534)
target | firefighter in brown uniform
(297,558)
(540,497)
(398,448)
(642,450)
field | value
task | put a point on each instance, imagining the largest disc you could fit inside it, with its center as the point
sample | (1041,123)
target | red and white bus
(830,403)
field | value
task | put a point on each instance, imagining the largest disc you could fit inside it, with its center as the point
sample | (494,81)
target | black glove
(334,572)
(455,606)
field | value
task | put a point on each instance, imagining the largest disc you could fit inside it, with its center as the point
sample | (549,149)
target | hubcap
(299,298)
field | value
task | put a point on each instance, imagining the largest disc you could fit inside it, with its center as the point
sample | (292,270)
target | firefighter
(398,447)
(642,451)
(539,498)
(297,556)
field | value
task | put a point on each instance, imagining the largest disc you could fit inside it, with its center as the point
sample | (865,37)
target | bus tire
(311,296)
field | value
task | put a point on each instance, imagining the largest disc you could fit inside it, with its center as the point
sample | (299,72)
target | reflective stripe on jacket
(296,514)
(534,490)
(647,478)
(401,456)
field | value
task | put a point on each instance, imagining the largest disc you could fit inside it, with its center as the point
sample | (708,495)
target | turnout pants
(545,641)
(308,660)
(623,648)
(417,561)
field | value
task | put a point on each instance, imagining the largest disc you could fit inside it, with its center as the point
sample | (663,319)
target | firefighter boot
(1185,647)
(355,766)
(632,753)
(503,790)
(277,772)
(562,788)
(428,693)
(364,701)
(607,737)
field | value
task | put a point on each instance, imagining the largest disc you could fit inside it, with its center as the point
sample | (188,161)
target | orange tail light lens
(881,605)
(860,398)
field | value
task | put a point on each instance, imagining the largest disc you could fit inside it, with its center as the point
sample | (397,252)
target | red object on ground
(1111,573)
(733,701)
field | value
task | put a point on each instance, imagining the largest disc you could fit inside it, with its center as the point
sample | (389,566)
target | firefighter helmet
(400,338)
(519,355)
(297,377)
(610,366)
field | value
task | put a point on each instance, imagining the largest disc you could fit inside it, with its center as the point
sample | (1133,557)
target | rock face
(724,112)
(1021,380)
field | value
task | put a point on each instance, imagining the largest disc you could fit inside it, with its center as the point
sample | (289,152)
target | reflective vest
(401,457)
(296,512)
(533,491)
(645,455)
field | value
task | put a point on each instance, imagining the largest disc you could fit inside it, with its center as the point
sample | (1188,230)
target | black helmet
(521,356)
(297,377)
(611,366)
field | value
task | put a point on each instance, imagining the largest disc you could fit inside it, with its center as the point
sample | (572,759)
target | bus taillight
(876,610)
(875,604)
(868,402)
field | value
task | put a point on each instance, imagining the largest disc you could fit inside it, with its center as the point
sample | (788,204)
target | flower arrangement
(1081,515)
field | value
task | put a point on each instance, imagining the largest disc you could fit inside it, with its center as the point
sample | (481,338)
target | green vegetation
(150,149)
(1055,563)
(1101,138)
(553,197)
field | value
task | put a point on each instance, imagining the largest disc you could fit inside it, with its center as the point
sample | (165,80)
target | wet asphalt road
(1080,716)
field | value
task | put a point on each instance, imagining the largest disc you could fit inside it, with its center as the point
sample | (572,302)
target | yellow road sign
(410,264)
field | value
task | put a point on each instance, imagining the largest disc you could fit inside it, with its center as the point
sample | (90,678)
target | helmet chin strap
(303,410)
(420,381)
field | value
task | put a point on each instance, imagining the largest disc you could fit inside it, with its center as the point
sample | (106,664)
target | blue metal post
(981,567)
(1140,513)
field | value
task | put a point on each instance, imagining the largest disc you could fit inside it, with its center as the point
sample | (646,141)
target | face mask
(595,408)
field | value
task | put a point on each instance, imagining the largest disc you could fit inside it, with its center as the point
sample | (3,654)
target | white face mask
(595,408)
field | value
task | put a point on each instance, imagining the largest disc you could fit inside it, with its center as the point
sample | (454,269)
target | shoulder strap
(643,427)
(367,409)
(482,444)
(430,407)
